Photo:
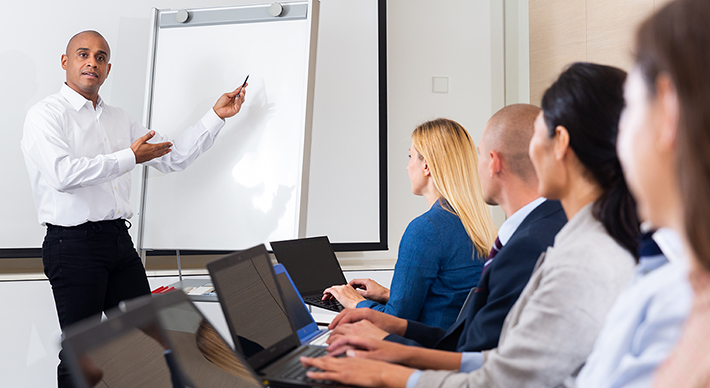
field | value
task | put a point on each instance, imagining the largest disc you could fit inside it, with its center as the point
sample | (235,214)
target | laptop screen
(252,305)
(294,305)
(201,351)
(163,341)
(310,262)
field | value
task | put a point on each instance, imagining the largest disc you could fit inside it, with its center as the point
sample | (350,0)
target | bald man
(79,153)
(507,179)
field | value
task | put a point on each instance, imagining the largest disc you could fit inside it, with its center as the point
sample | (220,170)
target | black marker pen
(245,82)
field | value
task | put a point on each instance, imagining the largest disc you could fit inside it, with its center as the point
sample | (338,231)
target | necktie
(494,251)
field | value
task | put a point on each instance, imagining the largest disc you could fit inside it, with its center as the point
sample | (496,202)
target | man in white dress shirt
(79,152)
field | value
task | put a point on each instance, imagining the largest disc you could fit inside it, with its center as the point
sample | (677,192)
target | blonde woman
(442,252)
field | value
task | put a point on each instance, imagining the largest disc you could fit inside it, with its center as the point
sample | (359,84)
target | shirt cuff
(413,379)
(126,160)
(470,361)
(212,122)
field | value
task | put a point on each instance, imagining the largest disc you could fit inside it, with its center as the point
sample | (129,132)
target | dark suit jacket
(479,325)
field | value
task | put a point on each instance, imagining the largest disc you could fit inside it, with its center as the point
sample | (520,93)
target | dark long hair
(676,41)
(587,99)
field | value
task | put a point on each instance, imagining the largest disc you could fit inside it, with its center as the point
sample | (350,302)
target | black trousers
(91,267)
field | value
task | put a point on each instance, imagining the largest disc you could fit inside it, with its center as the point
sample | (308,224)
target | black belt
(118,223)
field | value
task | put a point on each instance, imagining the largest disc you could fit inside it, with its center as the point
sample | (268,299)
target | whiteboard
(247,189)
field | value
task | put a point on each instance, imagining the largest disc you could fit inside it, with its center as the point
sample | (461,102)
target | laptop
(158,341)
(306,326)
(258,321)
(313,267)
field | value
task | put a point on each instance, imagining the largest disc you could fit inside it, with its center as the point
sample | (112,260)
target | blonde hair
(453,162)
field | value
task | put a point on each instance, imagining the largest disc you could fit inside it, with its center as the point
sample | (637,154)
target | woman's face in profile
(415,168)
(636,147)
(541,153)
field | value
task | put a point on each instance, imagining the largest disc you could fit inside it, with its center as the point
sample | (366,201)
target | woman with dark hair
(551,329)
(570,106)
(666,142)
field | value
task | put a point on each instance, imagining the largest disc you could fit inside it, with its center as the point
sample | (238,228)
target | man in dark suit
(508,179)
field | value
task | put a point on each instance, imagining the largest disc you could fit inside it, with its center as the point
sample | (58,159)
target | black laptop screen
(310,262)
(201,352)
(252,305)
(163,342)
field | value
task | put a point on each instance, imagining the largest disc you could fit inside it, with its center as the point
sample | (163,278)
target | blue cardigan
(436,268)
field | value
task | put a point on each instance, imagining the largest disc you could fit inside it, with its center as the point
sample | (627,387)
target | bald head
(74,39)
(86,64)
(508,133)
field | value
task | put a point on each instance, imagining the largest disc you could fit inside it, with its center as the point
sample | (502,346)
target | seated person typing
(442,252)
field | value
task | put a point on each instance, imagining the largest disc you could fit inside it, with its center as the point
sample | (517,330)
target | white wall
(458,39)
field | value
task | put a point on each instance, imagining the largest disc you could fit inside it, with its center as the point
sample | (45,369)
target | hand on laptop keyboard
(330,304)
(345,294)
(296,371)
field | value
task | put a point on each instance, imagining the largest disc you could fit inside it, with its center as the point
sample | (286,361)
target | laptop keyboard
(320,339)
(295,370)
(330,304)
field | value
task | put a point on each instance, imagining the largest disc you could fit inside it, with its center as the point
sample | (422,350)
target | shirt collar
(648,264)
(76,100)
(671,244)
(513,222)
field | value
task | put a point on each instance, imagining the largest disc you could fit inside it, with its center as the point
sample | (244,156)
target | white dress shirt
(79,158)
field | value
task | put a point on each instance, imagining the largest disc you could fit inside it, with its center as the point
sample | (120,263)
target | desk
(213,311)
(32,337)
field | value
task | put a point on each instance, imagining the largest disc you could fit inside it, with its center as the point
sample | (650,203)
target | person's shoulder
(668,289)
(550,211)
(420,224)
(527,242)
(671,276)
(51,102)
(540,227)
(49,107)
(435,225)
(583,231)
(428,217)
(592,250)
(589,240)
(523,249)
(440,213)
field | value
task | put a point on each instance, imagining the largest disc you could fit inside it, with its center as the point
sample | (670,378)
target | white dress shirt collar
(76,100)
(511,224)
(671,244)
